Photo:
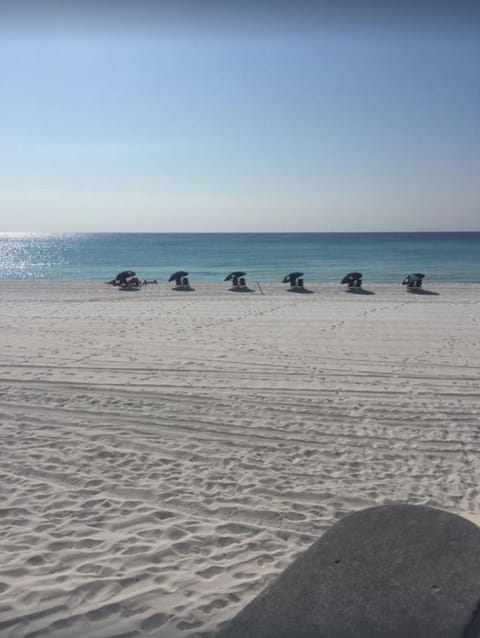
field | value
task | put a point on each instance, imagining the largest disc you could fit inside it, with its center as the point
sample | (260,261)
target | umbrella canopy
(123,276)
(413,277)
(291,277)
(236,273)
(351,276)
(177,275)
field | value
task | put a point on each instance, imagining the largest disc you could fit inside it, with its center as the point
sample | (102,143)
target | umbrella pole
(259,287)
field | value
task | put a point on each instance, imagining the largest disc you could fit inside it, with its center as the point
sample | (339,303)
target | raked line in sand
(165,455)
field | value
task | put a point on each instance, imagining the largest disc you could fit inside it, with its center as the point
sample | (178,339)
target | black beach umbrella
(236,273)
(413,277)
(351,276)
(178,275)
(291,277)
(123,276)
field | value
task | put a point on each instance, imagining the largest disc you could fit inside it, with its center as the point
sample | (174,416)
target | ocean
(267,257)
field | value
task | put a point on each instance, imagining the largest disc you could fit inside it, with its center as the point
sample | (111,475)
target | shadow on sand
(300,289)
(421,291)
(360,291)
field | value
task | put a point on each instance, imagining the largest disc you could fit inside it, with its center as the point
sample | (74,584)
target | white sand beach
(164,455)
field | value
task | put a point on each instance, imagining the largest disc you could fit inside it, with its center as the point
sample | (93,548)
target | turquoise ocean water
(322,257)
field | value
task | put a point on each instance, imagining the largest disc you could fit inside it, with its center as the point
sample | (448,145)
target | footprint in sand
(235,528)
(175,533)
(210,572)
(184,624)
(155,621)
(216,604)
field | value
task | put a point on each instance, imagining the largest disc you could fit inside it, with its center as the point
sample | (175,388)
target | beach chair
(242,282)
(356,283)
(185,281)
(414,280)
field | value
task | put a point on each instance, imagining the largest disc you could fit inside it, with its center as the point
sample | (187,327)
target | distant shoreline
(377,290)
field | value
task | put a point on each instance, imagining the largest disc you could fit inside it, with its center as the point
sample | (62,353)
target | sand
(165,455)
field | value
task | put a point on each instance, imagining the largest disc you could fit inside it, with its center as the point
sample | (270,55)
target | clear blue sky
(187,125)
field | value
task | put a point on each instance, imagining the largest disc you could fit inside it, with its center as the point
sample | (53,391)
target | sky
(191,117)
